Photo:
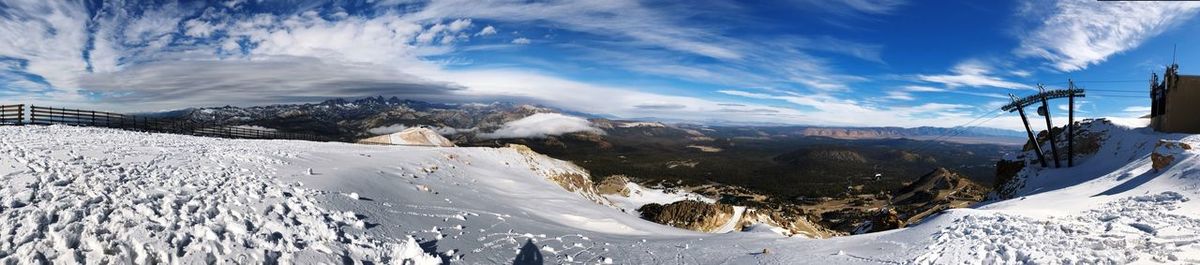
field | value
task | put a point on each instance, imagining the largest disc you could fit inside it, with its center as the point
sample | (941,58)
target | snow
(639,196)
(416,136)
(86,195)
(731,225)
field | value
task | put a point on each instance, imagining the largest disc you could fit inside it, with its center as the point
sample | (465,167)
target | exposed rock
(1006,170)
(1164,153)
(688,214)
(566,174)
(614,184)
(939,190)
(789,217)
(885,219)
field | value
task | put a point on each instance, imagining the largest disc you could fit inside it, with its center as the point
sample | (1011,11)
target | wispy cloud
(972,73)
(853,7)
(624,18)
(918,88)
(1144,109)
(899,95)
(168,84)
(828,110)
(1073,34)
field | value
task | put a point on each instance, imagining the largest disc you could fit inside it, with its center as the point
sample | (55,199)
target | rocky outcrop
(1006,171)
(1089,137)
(614,184)
(566,174)
(1164,153)
(788,217)
(688,214)
(885,219)
(939,190)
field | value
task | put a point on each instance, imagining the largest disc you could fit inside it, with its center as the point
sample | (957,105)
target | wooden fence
(40,115)
(12,114)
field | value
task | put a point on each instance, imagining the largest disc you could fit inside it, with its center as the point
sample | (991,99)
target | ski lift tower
(1018,105)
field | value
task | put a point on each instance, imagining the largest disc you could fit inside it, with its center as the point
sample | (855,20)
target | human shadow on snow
(529,255)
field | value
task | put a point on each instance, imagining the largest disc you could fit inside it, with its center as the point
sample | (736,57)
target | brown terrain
(821,217)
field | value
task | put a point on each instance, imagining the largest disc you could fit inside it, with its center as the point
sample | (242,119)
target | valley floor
(94,195)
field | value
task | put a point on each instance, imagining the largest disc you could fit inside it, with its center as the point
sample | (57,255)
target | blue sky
(852,63)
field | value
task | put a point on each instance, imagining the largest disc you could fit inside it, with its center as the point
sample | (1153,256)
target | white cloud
(49,35)
(459,25)
(306,57)
(914,88)
(918,88)
(972,73)
(197,28)
(192,82)
(389,42)
(541,125)
(1143,109)
(1073,34)
(521,41)
(619,18)
(486,31)
(899,95)
(855,7)
(835,111)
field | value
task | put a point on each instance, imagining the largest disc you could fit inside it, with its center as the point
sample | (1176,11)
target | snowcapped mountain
(351,120)
(355,119)
(95,195)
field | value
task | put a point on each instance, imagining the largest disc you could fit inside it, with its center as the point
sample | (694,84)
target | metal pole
(1050,130)
(1071,123)
(1029,131)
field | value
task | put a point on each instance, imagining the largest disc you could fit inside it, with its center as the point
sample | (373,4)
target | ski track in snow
(86,195)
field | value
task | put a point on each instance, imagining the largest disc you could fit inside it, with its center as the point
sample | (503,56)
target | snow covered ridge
(412,136)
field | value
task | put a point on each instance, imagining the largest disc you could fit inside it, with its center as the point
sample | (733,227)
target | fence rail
(12,114)
(41,115)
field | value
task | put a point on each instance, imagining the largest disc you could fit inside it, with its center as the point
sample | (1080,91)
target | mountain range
(350,120)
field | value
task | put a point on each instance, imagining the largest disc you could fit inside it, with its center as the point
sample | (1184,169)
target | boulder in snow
(1164,153)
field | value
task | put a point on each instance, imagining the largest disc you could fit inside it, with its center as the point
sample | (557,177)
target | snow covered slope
(89,195)
(412,136)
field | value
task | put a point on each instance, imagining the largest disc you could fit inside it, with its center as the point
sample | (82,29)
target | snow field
(84,195)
